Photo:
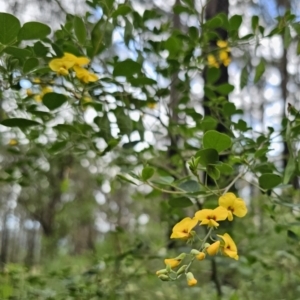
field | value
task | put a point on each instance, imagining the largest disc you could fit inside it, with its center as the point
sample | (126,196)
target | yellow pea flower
(172,262)
(182,230)
(13,142)
(84,75)
(222,44)
(191,281)
(210,217)
(233,205)
(229,248)
(213,248)
(212,61)
(200,256)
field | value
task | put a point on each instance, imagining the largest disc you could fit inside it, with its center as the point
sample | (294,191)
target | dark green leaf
(122,10)
(214,22)
(180,202)
(216,140)
(268,181)
(289,170)
(287,38)
(292,235)
(213,172)
(34,31)
(254,23)
(224,169)
(207,156)
(17,52)
(19,122)
(212,75)
(259,71)
(235,22)
(147,173)
(224,89)
(208,123)
(54,100)
(229,109)
(190,186)
(9,28)
(104,126)
(126,68)
(30,64)
(80,31)
(244,77)
(39,49)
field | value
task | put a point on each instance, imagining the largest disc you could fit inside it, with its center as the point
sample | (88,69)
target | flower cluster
(222,56)
(69,61)
(229,206)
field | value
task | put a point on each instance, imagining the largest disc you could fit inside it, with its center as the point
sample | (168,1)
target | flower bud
(213,248)
(200,256)
(181,270)
(191,281)
(195,252)
(161,272)
(164,277)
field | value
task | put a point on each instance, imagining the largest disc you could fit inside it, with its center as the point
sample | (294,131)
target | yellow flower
(212,61)
(191,281)
(182,230)
(224,58)
(211,216)
(235,206)
(229,248)
(13,142)
(29,92)
(174,262)
(222,44)
(151,105)
(84,75)
(213,248)
(200,256)
(62,65)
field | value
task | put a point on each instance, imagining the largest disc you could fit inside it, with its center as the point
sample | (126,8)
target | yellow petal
(172,262)
(213,248)
(229,247)
(240,209)
(220,213)
(227,200)
(222,44)
(203,214)
(200,256)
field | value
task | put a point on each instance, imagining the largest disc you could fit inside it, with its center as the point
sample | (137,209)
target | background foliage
(94,175)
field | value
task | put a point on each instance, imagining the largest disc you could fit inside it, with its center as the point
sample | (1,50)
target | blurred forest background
(71,227)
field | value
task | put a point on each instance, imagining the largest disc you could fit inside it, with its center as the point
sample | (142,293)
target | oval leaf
(79,29)
(126,68)
(269,180)
(30,64)
(207,156)
(216,140)
(147,173)
(9,28)
(190,186)
(54,100)
(34,31)
(19,122)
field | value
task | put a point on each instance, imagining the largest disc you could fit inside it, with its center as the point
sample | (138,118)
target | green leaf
(244,77)
(124,122)
(216,140)
(213,172)
(259,71)
(287,38)
(9,28)
(30,64)
(208,123)
(292,235)
(225,169)
(147,173)
(289,170)
(126,68)
(212,75)
(54,100)
(19,122)
(225,88)
(17,52)
(164,180)
(229,109)
(126,179)
(254,23)
(104,125)
(207,156)
(79,29)
(34,31)
(122,10)
(141,81)
(268,181)
(39,49)
(235,22)
(180,202)
(190,186)
(214,22)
